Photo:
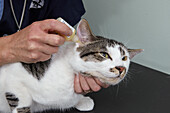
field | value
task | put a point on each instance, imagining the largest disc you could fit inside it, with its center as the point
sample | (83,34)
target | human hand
(87,84)
(35,43)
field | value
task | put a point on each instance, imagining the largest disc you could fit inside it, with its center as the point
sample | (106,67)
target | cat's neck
(65,53)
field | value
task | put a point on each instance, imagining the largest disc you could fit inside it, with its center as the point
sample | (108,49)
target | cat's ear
(134,52)
(84,32)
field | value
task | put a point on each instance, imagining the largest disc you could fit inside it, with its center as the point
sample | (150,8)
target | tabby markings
(24,110)
(37,69)
(89,51)
(12,100)
(122,51)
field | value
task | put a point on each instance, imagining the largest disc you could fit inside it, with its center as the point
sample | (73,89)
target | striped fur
(91,50)
(12,100)
(37,69)
(24,110)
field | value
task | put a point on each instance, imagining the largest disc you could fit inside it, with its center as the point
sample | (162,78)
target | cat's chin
(113,80)
(110,81)
(104,79)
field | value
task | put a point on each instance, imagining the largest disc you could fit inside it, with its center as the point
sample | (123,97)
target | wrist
(6,55)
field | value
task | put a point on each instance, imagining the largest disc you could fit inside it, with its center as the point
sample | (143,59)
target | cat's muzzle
(120,72)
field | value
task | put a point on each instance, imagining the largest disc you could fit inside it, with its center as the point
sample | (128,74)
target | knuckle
(86,88)
(54,50)
(57,41)
(33,35)
(52,23)
(62,40)
(46,58)
(34,56)
(35,25)
(52,20)
(31,46)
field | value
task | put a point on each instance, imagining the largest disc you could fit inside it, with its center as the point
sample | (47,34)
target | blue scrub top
(36,10)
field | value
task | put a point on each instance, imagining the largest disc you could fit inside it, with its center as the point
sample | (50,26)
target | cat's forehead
(117,50)
(102,44)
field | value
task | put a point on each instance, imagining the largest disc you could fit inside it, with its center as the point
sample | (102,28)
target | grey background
(138,24)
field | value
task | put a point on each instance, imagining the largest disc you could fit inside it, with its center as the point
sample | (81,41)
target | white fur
(55,90)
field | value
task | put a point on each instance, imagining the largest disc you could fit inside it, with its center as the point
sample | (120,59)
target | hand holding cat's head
(104,58)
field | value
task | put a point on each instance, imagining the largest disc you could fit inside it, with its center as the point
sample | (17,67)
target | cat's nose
(120,69)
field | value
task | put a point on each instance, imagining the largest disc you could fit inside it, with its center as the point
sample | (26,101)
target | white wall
(137,23)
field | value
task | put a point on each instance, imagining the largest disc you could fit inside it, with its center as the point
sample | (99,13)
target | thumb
(55,26)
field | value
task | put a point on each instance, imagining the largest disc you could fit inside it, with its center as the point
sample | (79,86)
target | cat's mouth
(122,75)
(104,79)
(113,80)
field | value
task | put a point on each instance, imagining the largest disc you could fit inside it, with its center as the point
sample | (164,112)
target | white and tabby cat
(26,88)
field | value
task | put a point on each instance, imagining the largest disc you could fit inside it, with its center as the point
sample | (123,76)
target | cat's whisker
(125,81)
(103,32)
(129,73)
(127,78)
(134,70)
(117,90)
(127,42)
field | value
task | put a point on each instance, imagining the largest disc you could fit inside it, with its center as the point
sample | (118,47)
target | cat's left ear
(84,32)
(134,52)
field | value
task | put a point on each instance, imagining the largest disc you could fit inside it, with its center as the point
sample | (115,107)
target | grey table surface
(143,91)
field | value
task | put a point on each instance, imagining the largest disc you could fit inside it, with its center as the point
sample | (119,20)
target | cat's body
(25,87)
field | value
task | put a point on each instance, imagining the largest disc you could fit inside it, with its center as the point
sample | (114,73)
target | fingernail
(106,86)
(62,40)
(77,78)
(70,32)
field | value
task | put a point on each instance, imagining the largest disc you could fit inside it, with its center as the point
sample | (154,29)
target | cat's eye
(124,58)
(105,55)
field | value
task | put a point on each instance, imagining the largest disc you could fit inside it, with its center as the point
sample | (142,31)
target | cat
(28,88)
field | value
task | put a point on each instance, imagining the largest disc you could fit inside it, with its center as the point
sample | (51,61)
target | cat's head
(104,58)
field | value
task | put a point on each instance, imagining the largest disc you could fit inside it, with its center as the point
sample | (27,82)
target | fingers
(87,84)
(93,84)
(43,57)
(80,85)
(84,84)
(48,50)
(52,39)
(39,52)
(100,83)
(55,26)
(36,57)
(77,86)
(46,31)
